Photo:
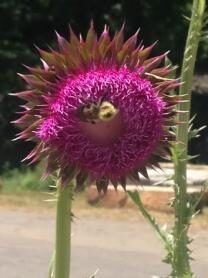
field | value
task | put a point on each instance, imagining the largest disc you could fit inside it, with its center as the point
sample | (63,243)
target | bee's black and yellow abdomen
(107,111)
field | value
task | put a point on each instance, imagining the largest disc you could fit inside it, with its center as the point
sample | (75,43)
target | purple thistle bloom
(100,109)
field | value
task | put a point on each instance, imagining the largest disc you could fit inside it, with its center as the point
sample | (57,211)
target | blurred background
(101,238)
(25,23)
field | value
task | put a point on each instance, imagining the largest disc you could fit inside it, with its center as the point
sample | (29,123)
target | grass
(24,180)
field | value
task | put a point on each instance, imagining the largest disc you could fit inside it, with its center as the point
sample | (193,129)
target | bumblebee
(92,112)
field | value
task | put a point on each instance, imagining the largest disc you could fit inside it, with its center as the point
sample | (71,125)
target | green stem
(63,231)
(181,263)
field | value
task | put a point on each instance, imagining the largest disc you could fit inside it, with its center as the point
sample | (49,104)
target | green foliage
(24,179)
(25,23)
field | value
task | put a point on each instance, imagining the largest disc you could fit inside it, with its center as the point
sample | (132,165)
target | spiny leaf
(137,201)
(195,133)
(190,157)
(51,271)
(187,18)
(94,274)
(162,182)
(202,193)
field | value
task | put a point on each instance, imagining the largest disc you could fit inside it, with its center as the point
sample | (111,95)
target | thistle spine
(183,213)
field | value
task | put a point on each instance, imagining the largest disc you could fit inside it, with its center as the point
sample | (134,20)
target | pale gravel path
(118,247)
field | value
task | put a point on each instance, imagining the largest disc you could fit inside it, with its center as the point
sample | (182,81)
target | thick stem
(181,265)
(63,231)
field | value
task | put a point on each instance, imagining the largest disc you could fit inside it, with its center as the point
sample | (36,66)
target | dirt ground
(116,241)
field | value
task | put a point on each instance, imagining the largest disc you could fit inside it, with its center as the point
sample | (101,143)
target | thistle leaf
(195,133)
(161,233)
(94,274)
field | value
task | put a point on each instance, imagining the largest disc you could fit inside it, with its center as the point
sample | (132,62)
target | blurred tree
(24,23)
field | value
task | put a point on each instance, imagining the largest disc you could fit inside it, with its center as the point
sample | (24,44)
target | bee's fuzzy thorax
(97,110)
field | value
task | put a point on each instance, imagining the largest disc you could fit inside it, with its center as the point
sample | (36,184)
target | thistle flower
(99,109)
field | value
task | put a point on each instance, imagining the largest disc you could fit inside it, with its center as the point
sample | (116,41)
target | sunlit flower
(99,109)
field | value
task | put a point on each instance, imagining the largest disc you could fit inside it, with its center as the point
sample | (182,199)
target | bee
(92,112)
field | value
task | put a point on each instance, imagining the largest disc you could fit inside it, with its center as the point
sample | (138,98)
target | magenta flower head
(99,109)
